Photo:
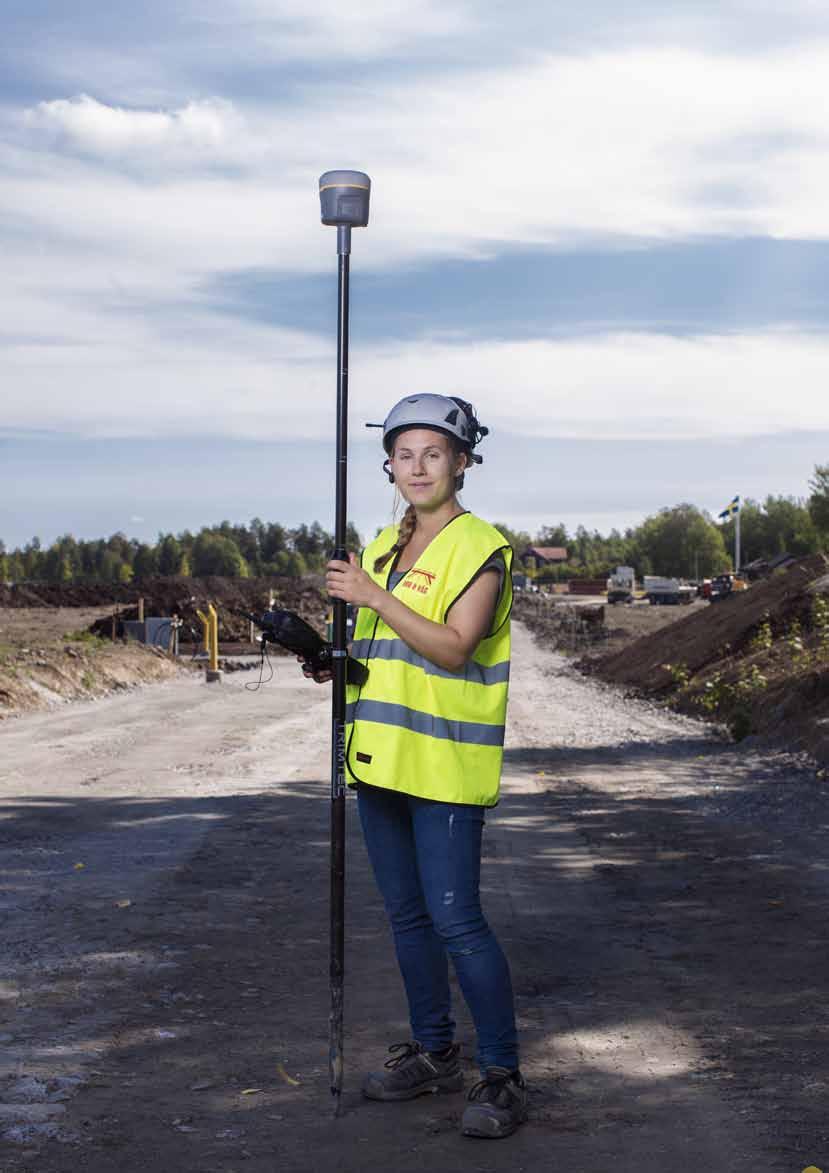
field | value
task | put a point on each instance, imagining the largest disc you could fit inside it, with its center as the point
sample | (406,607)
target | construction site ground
(660,892)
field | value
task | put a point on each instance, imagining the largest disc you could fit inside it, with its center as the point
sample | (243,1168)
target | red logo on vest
(419,586)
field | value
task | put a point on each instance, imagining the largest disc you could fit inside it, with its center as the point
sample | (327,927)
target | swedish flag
(731,508)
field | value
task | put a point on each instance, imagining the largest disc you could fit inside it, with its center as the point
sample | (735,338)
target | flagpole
(737,543)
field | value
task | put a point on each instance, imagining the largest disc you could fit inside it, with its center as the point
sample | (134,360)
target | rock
(30,1113)
(27,1090)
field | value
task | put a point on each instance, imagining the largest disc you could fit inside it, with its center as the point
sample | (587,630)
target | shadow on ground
(669,977)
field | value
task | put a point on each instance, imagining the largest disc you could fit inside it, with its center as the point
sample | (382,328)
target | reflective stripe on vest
(466,732)
(397,649)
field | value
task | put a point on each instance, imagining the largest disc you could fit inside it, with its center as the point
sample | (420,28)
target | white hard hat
(440,413)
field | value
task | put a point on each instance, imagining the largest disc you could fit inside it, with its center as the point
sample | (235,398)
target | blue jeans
(426,858)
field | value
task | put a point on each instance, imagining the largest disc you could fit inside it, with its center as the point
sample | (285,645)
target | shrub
(762,639)
(679,674)
(794,642)
(820,623)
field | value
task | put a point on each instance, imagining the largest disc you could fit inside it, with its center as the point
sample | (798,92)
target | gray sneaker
(497,1105)
(414,1072)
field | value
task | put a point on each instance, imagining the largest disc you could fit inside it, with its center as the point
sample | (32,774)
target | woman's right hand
(308,672)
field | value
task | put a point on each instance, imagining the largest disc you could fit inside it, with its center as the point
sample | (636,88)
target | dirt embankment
(44,677)
(592,628)
(56,640)
(758,661)
(48,656)
(166,596)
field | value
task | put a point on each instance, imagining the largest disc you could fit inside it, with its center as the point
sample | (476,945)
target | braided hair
(405,533)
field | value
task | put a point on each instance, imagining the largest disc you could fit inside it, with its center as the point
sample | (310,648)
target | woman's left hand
(348,580)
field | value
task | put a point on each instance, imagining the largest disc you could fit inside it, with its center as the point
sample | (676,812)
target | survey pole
(344,202)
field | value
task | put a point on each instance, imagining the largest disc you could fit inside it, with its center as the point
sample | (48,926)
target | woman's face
(425,466)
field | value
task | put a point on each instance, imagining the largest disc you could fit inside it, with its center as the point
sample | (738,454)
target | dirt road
(164,932)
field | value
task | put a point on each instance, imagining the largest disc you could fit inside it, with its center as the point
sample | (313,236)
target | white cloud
(223,377)
(118,212)
(620,385)
(199,129)
(294,28)
(657,144)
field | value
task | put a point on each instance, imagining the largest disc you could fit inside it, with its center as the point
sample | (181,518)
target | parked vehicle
(667,591)
(724,585)
(621,585)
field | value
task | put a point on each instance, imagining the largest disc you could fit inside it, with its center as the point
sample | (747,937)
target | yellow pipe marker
(214,641)
(206,625)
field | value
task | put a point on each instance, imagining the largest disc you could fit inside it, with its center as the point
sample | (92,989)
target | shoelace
(409,1051)
(491,1086)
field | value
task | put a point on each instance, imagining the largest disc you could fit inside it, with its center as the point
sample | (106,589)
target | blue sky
(607,226)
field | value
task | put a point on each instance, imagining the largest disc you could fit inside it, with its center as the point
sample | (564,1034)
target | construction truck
(667,591)
(725,585)
(621,585)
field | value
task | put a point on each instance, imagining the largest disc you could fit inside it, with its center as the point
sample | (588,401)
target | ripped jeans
(426,858)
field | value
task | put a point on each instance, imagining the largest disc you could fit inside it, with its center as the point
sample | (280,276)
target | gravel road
(163,1001)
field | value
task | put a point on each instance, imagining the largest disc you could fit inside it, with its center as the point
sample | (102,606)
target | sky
(605,225)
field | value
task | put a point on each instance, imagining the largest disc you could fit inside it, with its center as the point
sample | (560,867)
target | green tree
(111,564)
(145,561)
(16,570)
(57,565)
(780,525)
(288,562)
(819,501)
(789,527)
(273,540)
(121,545)
(170,555)
(679,541)
(216,554)
(313,543)
(517,538)
(32,559)
(552,535)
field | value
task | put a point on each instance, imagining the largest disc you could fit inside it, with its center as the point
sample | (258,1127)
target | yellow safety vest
(414,726)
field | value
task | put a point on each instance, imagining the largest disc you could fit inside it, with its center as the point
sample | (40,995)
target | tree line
(688,542)
(235,551)
(677,540)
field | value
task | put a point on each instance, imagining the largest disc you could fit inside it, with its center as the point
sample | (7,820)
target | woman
(424,749)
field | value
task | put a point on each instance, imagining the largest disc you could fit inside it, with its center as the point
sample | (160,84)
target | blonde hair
(405,533)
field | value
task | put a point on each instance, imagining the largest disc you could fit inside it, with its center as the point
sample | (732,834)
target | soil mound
(719,632)
(84,669)
(166,596)
(757,662)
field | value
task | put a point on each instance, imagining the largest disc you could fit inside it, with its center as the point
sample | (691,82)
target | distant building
(534,557)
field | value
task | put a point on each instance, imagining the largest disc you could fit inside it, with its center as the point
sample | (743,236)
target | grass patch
(88,638)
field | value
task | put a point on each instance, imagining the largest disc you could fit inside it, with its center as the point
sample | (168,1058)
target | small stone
(28,1090)
(31,1113)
